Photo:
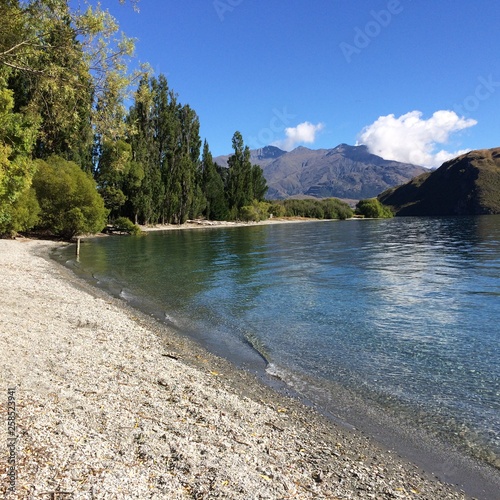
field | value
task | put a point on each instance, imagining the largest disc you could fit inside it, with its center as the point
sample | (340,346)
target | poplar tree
(146,203)
(245,181)
(166,142)
(212,186)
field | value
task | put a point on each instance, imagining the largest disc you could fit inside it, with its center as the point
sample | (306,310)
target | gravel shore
(100,402)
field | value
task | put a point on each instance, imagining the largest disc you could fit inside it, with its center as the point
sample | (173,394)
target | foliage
(68,66)
(68,199)
(246,182)
(63,84)
(212,186)
(166,143)
(257,211)
(259,183)
(24,213)
(373,209)
(125,225)
(277,209)
(329,208)
(17,136)
(115,174)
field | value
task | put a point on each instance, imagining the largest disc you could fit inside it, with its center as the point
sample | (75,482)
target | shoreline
(102,387)
(209,224)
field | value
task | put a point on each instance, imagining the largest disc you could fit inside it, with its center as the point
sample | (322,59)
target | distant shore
(108,403)
(201,223)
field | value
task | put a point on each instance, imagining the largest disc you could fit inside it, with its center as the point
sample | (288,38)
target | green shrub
(277,210)
(125,225)
(23,214)
(68,199)
(373,209)
(329,208)
(257,211)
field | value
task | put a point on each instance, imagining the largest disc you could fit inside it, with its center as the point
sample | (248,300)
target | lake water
(402,314)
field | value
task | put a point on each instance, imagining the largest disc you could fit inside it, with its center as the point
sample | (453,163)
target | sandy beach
(98,401)
(202,223)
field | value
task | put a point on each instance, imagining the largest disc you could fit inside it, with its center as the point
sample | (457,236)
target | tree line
(73,158)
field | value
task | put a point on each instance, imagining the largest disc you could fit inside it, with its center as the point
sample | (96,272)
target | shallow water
(403,313)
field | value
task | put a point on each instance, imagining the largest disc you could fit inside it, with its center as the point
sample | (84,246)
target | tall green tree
(212,186)
(165,141)
(63,81)
(259,183)
(113,175)
(245,182)
(189,153)
(149,197)
(239,191)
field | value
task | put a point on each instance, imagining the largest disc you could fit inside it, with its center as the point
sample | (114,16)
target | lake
(368,319)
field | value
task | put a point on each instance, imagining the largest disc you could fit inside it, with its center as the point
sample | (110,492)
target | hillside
(342,172)
(467,185)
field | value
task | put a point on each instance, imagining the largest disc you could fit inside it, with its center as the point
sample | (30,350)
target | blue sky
(414,80)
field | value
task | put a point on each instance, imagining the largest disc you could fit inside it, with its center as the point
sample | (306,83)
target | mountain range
(347,172)
(466,185)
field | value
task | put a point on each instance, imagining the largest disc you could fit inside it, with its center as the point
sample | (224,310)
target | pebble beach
(99,401)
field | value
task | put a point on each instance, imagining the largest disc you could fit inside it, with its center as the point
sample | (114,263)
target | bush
(125,225)
(68,199)
(329,208)
(373,209)
(23,213)
(257,211)
(277,210)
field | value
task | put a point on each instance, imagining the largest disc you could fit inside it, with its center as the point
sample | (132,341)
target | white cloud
(302,133)
(411,139)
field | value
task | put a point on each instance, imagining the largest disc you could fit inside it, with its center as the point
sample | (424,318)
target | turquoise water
(402,313)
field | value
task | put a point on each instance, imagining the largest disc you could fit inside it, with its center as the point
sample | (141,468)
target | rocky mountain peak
(345,171)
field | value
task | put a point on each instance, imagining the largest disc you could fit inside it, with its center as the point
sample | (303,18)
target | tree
(114,169)
(68,199)
(329,208)
(259,183)
(212,187)
(246,182)
(17,137)
(148,199)
(239,189)
(336,209)
(166,142)
(67,66)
